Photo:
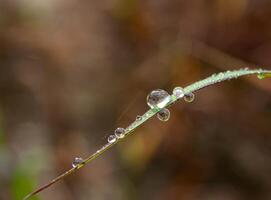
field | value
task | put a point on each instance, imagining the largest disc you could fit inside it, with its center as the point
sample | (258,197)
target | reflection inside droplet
(163,115)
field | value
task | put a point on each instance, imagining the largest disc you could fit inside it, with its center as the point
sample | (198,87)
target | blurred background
(71,71)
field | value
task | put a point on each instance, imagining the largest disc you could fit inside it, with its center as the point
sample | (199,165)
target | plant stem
(215,78)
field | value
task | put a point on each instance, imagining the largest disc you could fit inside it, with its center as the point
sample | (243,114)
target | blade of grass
(215,78)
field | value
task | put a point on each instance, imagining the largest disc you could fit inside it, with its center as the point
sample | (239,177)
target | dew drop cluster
(163,115)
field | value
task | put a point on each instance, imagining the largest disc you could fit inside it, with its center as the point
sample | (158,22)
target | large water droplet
(77,161)
(163,115)
(158,98)
(178,92)
(112,139)
(120,132)
(189,97)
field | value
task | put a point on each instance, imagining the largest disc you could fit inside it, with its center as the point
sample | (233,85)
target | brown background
(72,71)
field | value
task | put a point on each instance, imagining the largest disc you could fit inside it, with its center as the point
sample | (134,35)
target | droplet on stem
(111,138)
(178,92)
(77,161)
(120,132)
(138,117)
(158,98)
(163,115)
(189,97)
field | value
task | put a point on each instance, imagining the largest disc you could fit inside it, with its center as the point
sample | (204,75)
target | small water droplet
(163,115)
(120,132)
(158,98)
(77,161)
(189,97)
(263,75)
(112,139)
(138,118)
(178,92)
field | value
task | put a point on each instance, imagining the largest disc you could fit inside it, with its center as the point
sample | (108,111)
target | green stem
(215,78)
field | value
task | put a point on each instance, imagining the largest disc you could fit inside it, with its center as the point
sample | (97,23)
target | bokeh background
(71,71)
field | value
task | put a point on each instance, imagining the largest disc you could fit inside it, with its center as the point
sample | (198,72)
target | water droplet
(189,97)
(77,161)
(112,139)
(120,132)
(178,92)
(163,115)
(138,118)
(158,98)
(263,75)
